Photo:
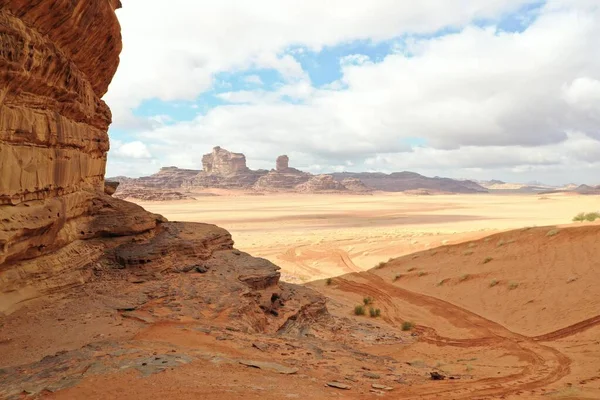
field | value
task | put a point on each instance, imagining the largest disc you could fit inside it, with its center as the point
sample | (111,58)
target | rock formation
(321,183)
(53,128)
(223,169)
(282,163)
(59,226)
(282,178)
(355,185)
(223,162)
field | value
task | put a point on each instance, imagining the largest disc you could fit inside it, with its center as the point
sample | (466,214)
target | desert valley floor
(497,293)
(319,236)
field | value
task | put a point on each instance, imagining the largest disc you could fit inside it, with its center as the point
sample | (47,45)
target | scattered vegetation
(329,281)
(374,312)
(468,252)
(572,279)
(411,269)
(368,300)
(494,282)
(397,277)
(407,326)
(513,285)
(469,368)
(591,217)
(501,243)
(422,273)
(441,283)
(472,245)
(464,277)
(434,252)
(359,310)
(380,265)
(553,232)
(487,260)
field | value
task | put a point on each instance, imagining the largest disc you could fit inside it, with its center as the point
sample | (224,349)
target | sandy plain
(319,236)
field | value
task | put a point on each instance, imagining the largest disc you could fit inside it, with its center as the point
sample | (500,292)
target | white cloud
(135,150)
(483,100)
(178,57)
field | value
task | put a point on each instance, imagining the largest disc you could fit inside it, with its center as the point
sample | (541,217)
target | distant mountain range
(223,169)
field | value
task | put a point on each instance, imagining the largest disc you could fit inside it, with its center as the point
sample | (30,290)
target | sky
(494,89)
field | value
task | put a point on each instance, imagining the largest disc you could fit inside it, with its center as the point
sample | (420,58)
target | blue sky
(367,91)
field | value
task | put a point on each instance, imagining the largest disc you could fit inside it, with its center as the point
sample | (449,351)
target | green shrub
(368,300)
(441,283)
(359,310)
(407,326)
(513,285)
(591,217)
(494,282)
(374,312)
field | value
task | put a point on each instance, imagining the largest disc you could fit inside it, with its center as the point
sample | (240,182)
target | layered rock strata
(60,228)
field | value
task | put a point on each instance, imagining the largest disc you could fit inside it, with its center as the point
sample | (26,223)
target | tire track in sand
(545,364)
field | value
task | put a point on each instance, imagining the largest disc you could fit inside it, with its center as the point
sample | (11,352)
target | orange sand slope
(319,236)
(519,309)
(533,334)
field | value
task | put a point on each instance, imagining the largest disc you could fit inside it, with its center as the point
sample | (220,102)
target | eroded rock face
(282,163)
(57,59)
(282,178)
(321,183)
(223,162)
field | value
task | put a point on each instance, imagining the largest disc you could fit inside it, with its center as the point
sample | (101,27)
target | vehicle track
(545,365)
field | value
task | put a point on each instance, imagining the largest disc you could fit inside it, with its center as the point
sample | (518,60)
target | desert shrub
(487,260)
(501,243)
(468,253)
(359,310)
(441,283)
(368,300)
(411,269)
(513,285)
(397,277)
(572,279)
(380,265)
(494,282)
(464,277)
(329,281)
(591,217)
(374,312)
(422,273)
(472,245)
(553,232)
(407,326)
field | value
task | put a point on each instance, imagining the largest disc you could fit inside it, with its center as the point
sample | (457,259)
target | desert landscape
(319,236)
(228,282)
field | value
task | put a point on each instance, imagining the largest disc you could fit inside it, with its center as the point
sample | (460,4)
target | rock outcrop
(282,163)
(321,183)
(355,185)
(225,170)
(57,59)
(282,178)
(223,162)
(59,226)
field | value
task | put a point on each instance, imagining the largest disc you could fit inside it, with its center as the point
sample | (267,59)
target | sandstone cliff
(59,226)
